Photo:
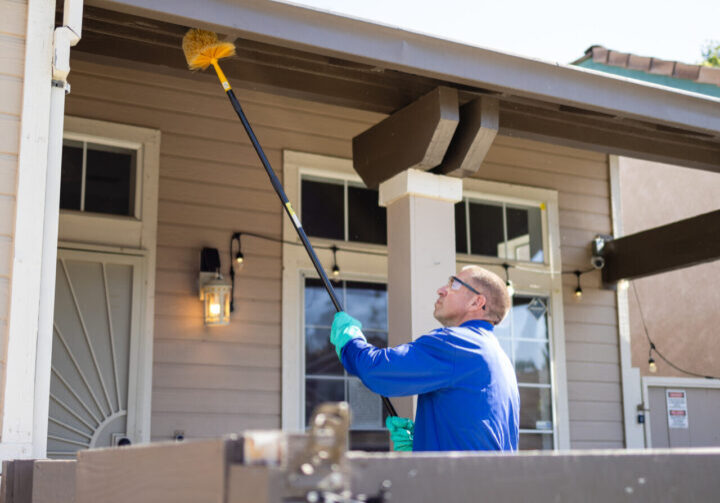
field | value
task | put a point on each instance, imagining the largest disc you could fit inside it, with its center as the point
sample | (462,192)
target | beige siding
(13,24)
(592,354)
(212,381)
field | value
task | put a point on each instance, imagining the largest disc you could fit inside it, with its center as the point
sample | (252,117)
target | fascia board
(388,47)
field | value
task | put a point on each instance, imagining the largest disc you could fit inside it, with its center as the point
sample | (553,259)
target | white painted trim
(369,267)
(630,376)
(414,182)
(669,382)
(19,394)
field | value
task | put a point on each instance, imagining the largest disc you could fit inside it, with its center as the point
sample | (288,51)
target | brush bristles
(202,46)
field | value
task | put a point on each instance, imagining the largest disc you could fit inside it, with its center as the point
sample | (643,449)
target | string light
(335,268)
(239,260)
(508,283)
(578,290)
(652,366)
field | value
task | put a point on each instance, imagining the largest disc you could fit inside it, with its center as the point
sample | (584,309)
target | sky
(551,30)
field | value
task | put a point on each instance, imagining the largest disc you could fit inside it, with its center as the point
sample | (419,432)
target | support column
(421,253)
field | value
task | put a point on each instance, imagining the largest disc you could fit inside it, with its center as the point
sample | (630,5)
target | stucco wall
(680,307)
(212,381)
(13,25)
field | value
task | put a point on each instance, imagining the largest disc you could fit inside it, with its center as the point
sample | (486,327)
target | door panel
(91,356)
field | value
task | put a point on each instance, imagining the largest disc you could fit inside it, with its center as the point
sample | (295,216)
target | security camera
(597,262)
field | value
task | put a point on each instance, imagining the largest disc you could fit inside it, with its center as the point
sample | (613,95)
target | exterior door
(95,336)
(681,415)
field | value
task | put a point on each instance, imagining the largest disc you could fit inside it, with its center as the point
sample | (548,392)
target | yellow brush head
(202,46)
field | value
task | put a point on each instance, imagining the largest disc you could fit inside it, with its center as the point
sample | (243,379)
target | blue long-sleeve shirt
(467,391)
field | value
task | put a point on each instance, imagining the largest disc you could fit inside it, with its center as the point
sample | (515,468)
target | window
(342,210)
(98,178)
(495,223)
(325,378)
(499,229)
(525,338)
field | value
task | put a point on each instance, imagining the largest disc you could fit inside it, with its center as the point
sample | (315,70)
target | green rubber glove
(402,430)
(344,328)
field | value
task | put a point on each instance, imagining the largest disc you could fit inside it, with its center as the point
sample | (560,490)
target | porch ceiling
(382,86)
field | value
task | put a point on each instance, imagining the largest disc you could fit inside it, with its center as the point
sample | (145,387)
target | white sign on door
(676,400)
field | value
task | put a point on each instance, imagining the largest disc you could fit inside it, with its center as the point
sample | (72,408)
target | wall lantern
(215,292)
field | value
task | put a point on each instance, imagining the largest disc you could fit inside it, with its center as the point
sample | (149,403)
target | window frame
(108,229)
(538,279)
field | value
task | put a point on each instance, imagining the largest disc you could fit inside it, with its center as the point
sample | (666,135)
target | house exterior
(109,201)
(681,324)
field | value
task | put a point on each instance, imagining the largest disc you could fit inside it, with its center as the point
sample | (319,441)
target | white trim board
(544,279)
(18,406)
(630,376)
(670,382)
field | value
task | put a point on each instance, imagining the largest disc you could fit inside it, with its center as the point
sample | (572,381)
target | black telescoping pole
(293,217)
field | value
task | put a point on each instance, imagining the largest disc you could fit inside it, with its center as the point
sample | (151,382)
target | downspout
(64,37)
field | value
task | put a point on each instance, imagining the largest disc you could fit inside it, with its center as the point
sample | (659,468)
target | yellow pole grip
(221,75)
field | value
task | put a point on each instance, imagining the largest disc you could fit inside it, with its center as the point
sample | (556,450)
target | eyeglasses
(454,283)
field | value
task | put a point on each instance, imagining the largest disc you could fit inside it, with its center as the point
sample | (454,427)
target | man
(467,391)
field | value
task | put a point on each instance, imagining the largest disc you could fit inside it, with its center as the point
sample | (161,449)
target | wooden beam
(479,120)
(680,244)
(414,137)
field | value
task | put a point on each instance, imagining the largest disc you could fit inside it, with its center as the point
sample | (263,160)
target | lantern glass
(216,297)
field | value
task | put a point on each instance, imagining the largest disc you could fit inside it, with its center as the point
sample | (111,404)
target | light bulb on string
(508,283)
(335,268)
(652,367)
(578,290)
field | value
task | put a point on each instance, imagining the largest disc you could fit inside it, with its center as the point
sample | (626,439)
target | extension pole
(286,203)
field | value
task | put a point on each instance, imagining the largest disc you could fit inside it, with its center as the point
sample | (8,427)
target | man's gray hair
(496,293)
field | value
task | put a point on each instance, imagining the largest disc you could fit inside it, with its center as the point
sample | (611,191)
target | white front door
(95,338)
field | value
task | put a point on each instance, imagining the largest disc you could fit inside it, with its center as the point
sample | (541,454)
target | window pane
(529,317)
(367,220)
(532,362)
(486,229)
(504,329)
(323,209)
(368,303)
(318,391)
(535,408)
(110,180)
(320,355)
(524,230)
(506,346)
(366,406)
(536,441)
(319,309)
(460,228)
(71,175)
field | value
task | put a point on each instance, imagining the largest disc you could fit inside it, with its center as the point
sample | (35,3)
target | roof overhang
(387,47)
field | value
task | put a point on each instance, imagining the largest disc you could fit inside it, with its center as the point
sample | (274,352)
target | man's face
(452,306)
